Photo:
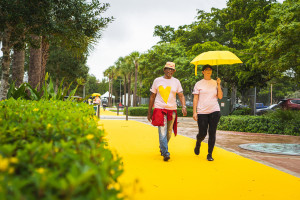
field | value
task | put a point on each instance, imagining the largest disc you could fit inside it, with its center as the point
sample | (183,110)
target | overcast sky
(134,25)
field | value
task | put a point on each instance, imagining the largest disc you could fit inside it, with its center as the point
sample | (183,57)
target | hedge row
(54,150)
(143,111)
(279,122)
(262,124)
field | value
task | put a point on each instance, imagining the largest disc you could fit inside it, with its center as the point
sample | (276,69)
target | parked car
(240,106)
(290,104)
(187,103)
(260,106)
(267,109)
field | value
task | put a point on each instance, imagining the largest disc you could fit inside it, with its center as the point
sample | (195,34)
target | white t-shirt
(208,100)
(165,90)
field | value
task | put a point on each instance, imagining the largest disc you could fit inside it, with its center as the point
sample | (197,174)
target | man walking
(163,97)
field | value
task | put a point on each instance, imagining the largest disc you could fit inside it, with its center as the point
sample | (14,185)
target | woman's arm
(219,89)
(195,103)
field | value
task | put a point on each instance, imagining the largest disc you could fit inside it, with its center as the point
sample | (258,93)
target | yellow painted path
(187,176)
(109,113)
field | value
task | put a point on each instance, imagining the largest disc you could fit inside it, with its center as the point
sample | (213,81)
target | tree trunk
(125,82)
(135,83)
(109,91)
(45,55)
(129,90)
(6,46)
(35,61)
(18,67)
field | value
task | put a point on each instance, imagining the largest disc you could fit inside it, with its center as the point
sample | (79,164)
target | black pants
(210,122)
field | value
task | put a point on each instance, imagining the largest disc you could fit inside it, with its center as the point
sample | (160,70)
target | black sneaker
(166,158)
(197,148)
(209,157)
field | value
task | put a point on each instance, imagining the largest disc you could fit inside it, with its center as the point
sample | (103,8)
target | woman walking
(206,109)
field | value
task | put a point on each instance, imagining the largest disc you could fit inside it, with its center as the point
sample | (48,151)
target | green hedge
(279,122)
(242,111)
(143,111)
(54,150)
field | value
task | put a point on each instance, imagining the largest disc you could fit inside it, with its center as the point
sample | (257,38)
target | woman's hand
(195,116)
(218,81)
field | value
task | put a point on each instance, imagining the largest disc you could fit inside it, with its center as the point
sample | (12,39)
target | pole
(120,91)
(254,101)
(271,93)
(126,113)
(98,111)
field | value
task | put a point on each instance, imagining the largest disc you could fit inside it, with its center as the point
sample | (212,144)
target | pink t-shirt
(166,90)
(208,100)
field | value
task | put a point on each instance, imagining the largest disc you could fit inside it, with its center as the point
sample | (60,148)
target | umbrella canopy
(215,58)
(96,94)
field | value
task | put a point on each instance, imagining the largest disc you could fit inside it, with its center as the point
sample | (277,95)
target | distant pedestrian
(97,100)
(104,104)
(163,97)
(206,109)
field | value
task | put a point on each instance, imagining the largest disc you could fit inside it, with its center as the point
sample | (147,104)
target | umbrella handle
(195,70)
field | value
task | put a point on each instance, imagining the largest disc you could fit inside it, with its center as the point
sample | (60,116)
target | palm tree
(35,62)
(110,73)
(122,71)
(18,60)
(135,58)
(129,65)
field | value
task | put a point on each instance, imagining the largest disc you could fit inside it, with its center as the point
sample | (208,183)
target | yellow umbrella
(215,58)
(96,94)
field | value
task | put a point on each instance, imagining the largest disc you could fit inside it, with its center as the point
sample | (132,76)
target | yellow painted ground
(187,176)
(109,113)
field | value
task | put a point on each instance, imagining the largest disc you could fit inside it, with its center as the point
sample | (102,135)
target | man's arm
(151,102)
(195,103)
(182,101)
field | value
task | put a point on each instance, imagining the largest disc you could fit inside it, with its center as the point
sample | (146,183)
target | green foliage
(243,18)
(143,111)
(242,111)
(136,111)
(25,91)
(152,63)
(282,86)
(144,105)
(64,64)
(278,122)
(94,86)
(54,150)
(276,46)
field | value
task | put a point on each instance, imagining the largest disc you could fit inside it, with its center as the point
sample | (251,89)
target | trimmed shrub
(54,150)
(278,122)
(143,111)
(242,111)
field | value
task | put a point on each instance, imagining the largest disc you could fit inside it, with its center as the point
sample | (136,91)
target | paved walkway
(185,175)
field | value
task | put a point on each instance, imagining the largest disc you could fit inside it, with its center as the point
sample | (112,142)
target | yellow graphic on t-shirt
(164,92)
